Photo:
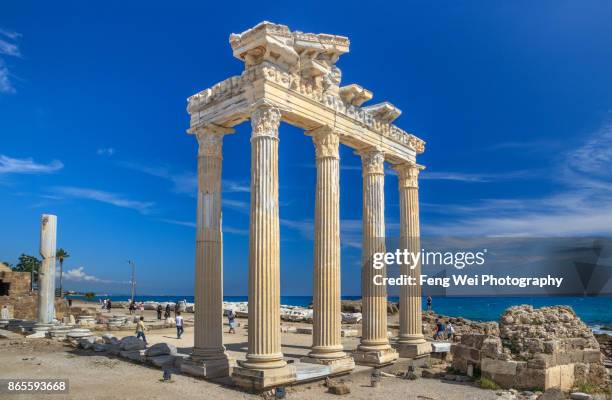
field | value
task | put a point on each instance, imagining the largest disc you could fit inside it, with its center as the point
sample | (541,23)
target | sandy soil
(94,376)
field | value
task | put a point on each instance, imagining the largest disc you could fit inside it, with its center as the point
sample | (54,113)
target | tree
(29,264)
(61,255)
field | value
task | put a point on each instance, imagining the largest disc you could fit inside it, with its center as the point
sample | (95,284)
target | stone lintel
(261,379)
(230,103)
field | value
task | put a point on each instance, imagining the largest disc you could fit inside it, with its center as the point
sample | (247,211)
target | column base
(337,366)
(218,368)
(413,350)
(375,358)
(260,379)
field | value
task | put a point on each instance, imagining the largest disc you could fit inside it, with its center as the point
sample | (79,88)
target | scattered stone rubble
(549,347)
(161,355)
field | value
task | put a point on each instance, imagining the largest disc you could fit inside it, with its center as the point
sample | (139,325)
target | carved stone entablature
(372,161)
(326,142)
(301,65)
(384,111)
(265,120)
(408,174)
(355,95)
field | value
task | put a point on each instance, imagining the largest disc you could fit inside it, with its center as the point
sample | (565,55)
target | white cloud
(79,275)
(477,177)
(114,199)
(27,166)
(11,49)
(5,82)
(190,224)
(583,205)
(106,151)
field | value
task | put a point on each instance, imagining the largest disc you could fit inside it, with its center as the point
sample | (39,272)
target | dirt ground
(95,376)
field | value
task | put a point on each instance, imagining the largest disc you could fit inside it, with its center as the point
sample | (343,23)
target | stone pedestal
(207,368)
(411,343)
(208,358)
(413,350)
(260,379)
(337,365)
(46,275)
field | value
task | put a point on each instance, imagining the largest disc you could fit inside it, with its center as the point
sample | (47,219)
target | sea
(594,311)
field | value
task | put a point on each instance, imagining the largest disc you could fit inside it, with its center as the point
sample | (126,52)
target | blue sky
(513,99)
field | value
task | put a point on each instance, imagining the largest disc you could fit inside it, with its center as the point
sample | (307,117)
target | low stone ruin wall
(536,349)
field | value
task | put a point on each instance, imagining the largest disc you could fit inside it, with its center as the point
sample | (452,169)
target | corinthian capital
(408,174)
(265,120)
(372,161)
(326,142)
(210,140)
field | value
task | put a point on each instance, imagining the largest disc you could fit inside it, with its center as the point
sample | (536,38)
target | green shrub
(486,383)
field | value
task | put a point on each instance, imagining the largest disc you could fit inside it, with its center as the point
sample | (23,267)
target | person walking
(450,332)
(132,307)
(159,311)
(179,324)
(141,329)
(108,305)
(167,313)
(440,329)
(429,300)
(231,319)
(141,308)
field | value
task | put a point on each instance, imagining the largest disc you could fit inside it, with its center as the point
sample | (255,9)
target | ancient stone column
(326,340)
(46,273)
(411,342)
(374,348)
(264,365)
(264,349)
(208,357)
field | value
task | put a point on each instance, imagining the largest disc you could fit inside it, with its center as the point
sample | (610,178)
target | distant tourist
(104,304)
(440,329)
(5,313)
(141,308)
(141,329)
(450,331)
(132,308)
(159,311)
(177,308)
(108,305)
(69,302)
(231,319)
(429,303)
(167,313)
(179,324)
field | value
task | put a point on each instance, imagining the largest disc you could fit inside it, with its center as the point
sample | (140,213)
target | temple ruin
(292,77)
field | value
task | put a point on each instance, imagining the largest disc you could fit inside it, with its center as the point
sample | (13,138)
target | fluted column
(208,320)
(373,297)
(410,238)
(264,350)
(46,274)
(326,340)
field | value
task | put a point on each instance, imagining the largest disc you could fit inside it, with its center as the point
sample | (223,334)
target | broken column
(46,275)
